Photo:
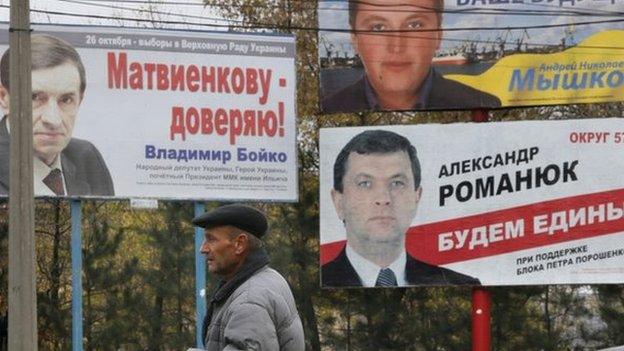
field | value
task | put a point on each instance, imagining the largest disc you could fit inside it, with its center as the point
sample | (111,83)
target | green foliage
(169,279)
(139,278)
(611,307)
(52,230)
(110,292)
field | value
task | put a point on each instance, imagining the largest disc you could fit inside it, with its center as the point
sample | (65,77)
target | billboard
(538,202)
(159,114)
(468,54)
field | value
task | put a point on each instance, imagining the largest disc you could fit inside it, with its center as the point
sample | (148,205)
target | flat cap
(240,216)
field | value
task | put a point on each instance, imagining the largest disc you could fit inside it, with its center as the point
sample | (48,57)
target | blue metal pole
(76,256)
(200,278)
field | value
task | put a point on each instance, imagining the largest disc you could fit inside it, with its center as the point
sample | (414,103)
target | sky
(78,12)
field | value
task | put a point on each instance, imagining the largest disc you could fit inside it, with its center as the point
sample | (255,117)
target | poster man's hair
(438,7)
(375,142)
(47,52)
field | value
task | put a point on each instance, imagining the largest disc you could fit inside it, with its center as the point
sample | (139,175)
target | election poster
(468,54)
(509,203)
(131,113)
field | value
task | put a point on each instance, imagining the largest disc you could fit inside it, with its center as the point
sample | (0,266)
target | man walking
(252,307)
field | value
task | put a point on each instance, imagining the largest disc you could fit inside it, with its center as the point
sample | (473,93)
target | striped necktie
(54,181)
(386,278)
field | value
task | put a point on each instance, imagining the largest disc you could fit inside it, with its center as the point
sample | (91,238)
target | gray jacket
(259,315)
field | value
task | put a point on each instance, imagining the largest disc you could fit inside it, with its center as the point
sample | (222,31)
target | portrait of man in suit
(63,165)
(376,194)
(396,42)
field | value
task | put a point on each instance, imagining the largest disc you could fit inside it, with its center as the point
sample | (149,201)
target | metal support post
(481,297)
(200,278)
(76,257)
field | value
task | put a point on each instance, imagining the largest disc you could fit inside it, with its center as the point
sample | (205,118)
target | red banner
(512,229)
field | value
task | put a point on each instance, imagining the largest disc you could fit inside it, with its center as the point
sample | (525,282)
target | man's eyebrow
(70,91)
(423,16)
(60,93)
(420,15)
(370,176)
(399,175)
(373,17)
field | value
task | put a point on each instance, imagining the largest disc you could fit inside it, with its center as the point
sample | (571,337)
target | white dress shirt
(40,171)
(368,271)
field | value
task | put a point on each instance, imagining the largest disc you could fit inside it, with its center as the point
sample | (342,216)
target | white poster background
(121,122)
(600,168)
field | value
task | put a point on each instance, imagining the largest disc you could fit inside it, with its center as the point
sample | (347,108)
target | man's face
(221,251)
(396,62)
(379,200)
(55,100)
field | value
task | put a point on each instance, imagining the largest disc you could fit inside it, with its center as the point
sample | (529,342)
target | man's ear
(4,100)
(337,200)
(241,242)
(439,33)
(354,42)
(418,194)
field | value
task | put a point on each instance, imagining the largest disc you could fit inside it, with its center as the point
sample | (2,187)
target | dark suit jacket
(445,94)
(83,167)
(340,273)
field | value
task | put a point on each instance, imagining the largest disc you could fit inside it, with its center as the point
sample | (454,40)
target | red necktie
(54,181)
